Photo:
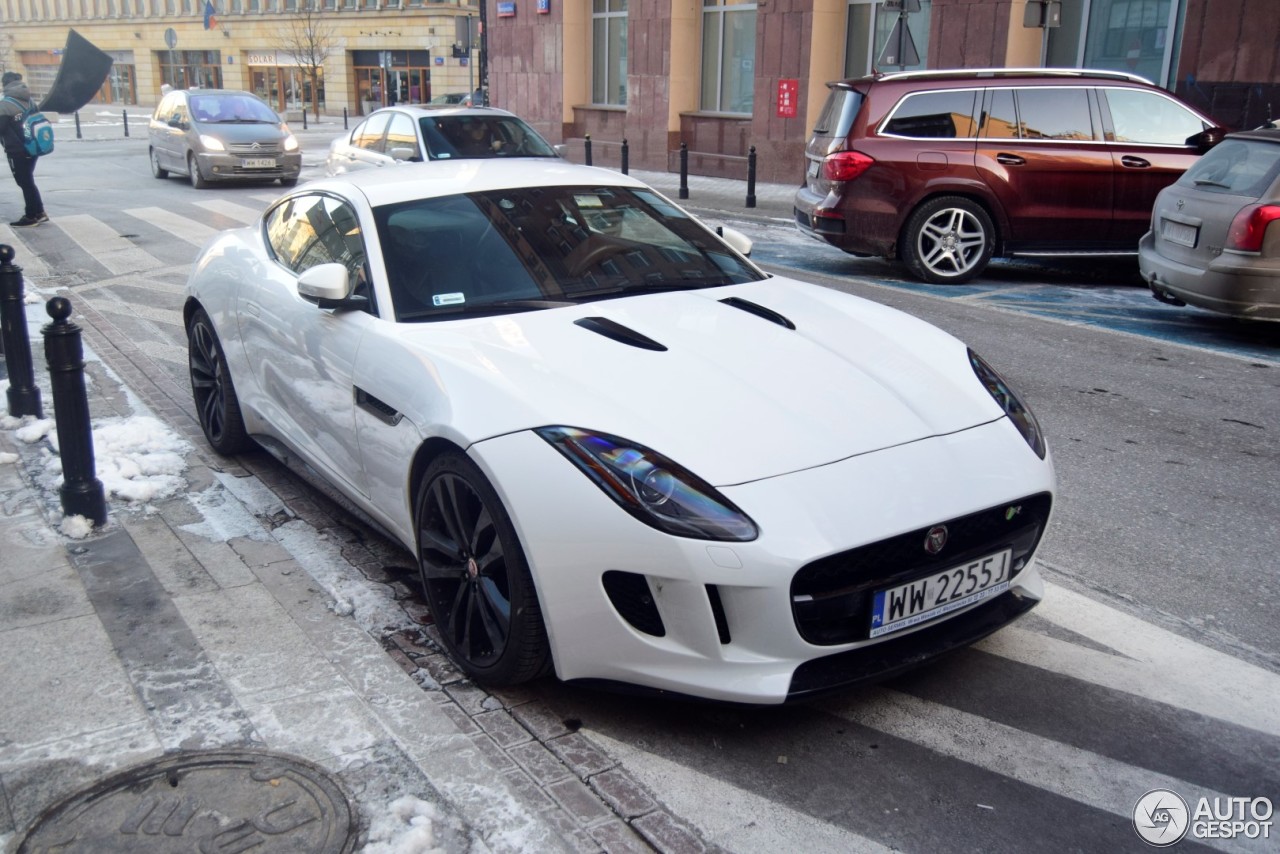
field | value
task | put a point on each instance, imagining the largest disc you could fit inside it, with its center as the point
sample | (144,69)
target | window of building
(867,31)
(609,52)
(728,55)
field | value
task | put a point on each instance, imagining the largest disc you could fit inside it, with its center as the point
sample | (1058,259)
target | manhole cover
(223,801)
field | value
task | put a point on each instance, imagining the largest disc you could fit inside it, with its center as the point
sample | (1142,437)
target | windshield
(499,250)
(230,109)
(472,136)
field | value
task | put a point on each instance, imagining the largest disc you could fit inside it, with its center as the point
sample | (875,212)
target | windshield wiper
(506,306)
(1206,182)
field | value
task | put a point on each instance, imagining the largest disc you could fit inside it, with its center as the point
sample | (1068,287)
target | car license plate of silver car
(910,604)
(258,163)
(1179,233)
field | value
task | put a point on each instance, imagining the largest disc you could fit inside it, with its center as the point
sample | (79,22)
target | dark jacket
(10,122)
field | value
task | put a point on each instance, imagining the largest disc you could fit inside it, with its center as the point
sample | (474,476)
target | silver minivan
(221,135)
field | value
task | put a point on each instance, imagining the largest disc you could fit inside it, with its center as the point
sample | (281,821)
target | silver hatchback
(221,135)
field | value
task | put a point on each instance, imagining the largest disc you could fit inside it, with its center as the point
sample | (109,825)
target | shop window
(609,52)
(728,55)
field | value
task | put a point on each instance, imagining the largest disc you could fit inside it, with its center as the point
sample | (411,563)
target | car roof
(962,76)
(452,177)
(418,111)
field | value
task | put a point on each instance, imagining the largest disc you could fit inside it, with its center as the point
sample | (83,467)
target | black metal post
(586,147)
(24,397)
(77,115)
(125,114)
(304,116)
(684,171)
(751,177)
(81,493)
(626,157)
(344,118)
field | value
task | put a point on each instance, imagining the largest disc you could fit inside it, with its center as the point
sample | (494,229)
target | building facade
(720,76)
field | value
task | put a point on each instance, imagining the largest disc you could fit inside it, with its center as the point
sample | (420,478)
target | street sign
(900,49)
(171,38)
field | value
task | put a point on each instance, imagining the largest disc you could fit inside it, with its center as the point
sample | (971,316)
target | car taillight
(1250,226)
(845,165)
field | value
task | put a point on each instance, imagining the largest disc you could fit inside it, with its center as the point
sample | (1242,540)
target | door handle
(1010,160)
(1134,162)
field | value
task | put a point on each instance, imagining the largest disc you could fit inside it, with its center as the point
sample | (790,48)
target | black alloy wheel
(475,576)
(217,406)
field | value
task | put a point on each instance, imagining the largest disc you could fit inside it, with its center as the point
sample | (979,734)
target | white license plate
(813,168)
(1176,232)
(258,163)
(909,604)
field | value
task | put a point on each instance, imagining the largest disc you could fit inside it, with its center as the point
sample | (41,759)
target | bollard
(81,493)
(684,171)
(751,177)
(24,397)
(125,114)
(586,146)
(77,114)
(344,118)
(304,118)
(626,159)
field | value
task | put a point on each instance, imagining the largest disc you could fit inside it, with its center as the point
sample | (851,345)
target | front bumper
(727,621)
(1239,285)
(225,166)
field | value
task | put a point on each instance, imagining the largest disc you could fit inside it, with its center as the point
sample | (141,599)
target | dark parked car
(945,169)
(1215,233)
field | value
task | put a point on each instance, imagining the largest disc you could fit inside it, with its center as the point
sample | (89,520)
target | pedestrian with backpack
(21,133)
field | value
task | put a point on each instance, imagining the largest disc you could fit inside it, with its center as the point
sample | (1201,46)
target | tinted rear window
(1238,167)
(838,113)
(947,114)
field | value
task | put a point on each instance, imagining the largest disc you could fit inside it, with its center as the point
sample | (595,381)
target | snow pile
(408,827)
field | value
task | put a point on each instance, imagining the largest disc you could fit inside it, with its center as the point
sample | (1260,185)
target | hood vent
(759,311)
(622,334)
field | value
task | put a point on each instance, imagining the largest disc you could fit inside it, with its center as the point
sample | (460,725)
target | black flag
(83,70)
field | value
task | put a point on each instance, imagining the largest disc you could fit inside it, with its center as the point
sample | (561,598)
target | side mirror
(175,122)
(737,241)
(1206,139)
(402,153)
(328,286)
(561,149)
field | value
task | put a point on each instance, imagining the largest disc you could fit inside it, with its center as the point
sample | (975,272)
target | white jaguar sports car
(620,450)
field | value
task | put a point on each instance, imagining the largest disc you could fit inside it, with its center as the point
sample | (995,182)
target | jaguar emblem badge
(936,539)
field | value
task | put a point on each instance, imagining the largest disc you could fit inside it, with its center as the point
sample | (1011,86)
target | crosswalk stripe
(32,266)
(145,282)
(156,315)
(231,210)
(268,198)
(195,233)
(1069,772)
(1153,663)
(105,246)
(733,818)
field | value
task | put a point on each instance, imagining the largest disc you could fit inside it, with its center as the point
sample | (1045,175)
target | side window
(934,115)
(1147,117)
(1055,113)
(370,138)
(1000,120)
(401,135)
(317,229)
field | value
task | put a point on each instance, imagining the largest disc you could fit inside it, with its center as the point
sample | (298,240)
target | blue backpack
(37,132)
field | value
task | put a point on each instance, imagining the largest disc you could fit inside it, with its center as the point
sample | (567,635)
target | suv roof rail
(999,72)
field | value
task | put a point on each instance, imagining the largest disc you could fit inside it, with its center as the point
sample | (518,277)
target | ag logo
(1161,817)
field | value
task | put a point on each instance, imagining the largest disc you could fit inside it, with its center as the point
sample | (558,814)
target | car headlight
(1014,408)
(651,487)
(211,143)
(290,143)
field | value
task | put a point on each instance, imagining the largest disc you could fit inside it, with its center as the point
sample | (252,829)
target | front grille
(831,598)
(247,149)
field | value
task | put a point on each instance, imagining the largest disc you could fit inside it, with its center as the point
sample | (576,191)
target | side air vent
(717,611)
(622,334)
(759,311)
(630,595)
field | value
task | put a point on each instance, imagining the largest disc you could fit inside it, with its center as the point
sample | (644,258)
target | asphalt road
(1154,660)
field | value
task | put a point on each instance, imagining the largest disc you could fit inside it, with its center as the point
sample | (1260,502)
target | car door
(171,135)
(369,147)
(1040,150)
(302,355)
(1148,133)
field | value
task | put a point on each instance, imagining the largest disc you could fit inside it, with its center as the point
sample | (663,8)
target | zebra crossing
(1042,737)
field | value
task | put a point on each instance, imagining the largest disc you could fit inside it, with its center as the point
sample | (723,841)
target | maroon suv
(945,169)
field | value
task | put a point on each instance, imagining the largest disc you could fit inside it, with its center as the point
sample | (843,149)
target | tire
(156,169)
(948,240)
(475,576)
(288,182)
(217,407)
(193,169)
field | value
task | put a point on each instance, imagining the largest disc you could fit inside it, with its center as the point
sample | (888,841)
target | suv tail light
(845,165)
(1250,226)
